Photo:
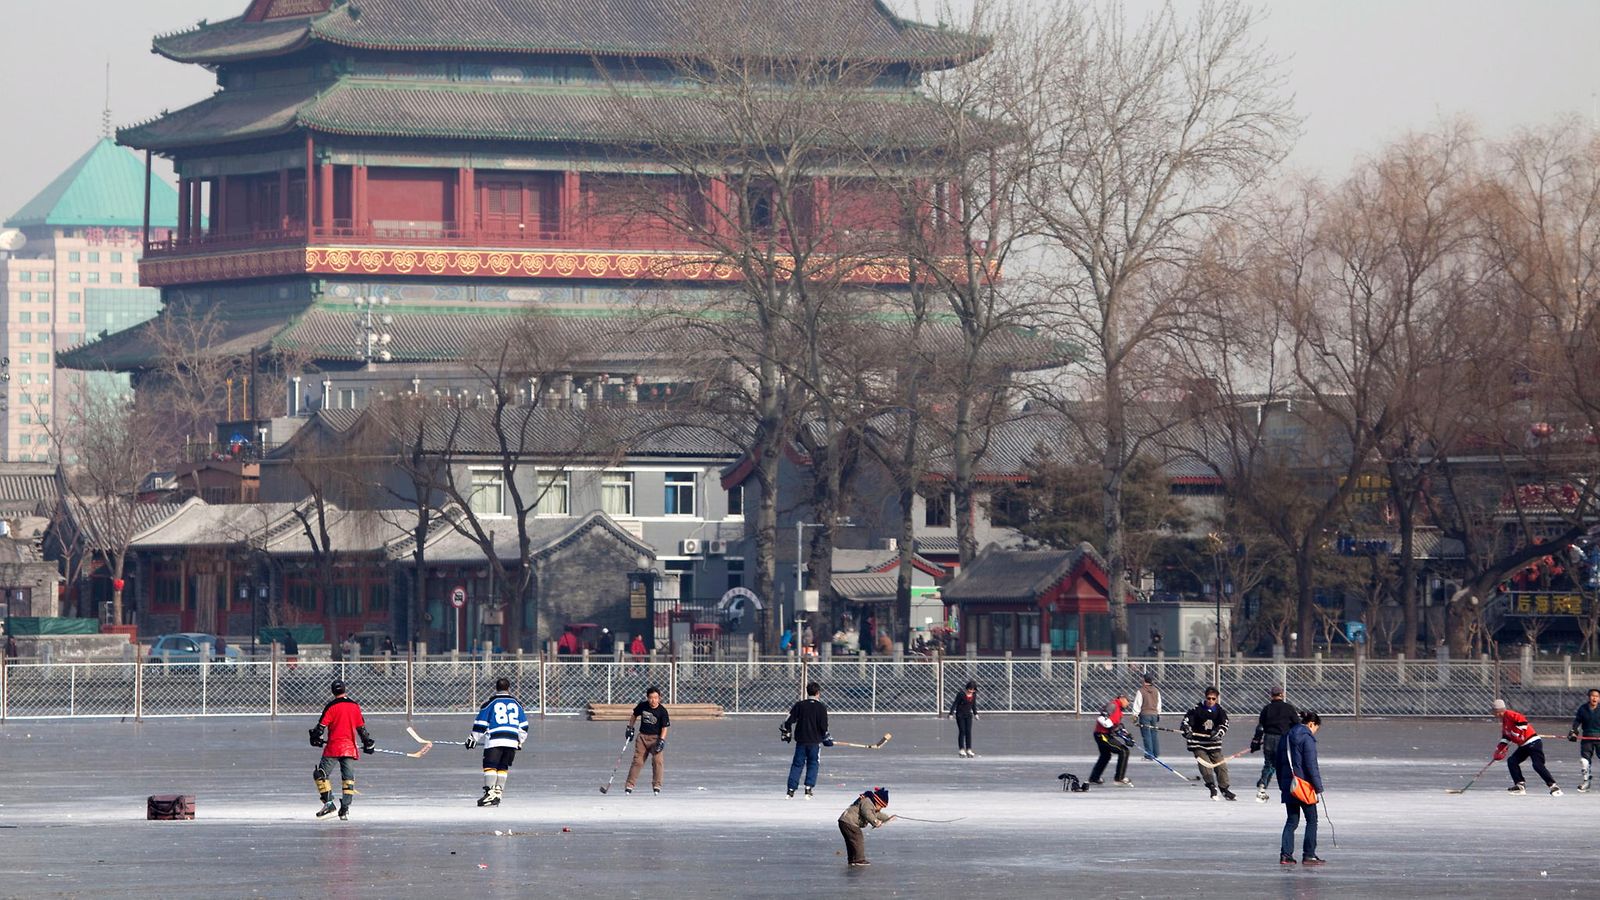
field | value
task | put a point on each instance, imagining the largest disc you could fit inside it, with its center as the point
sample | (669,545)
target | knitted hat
(880,796)
(1499,706)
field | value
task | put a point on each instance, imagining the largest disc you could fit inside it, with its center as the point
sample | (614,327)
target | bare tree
(1145,137)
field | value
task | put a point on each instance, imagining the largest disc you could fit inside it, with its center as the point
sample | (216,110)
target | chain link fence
(873,685)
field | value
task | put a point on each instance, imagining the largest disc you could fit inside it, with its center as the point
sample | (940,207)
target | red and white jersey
(1110,718)
(1514,727)
(342,717)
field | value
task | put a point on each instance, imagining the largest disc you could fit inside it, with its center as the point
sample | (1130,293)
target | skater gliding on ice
(867,810)
(1515,729)
(336,732)
(1297,756)
(650,739)
(965,708)
(1586,730)
(807,726)
(502,728)
(1203,729)
(1277,717)
(1111,739)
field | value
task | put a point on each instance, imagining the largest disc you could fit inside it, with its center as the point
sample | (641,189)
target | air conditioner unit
(716,548)
(689,547)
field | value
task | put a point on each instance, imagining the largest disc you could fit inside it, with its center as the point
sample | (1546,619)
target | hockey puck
(565,829)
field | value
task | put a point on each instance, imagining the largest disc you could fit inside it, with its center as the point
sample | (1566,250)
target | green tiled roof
(105,188)
(355,106)
(851,29)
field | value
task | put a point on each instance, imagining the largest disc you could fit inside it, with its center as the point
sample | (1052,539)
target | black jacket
(809,718)
(1203,728)
(962,707)
(1277,718)
(1587,721)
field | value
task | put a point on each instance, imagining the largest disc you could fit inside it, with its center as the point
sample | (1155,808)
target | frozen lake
(72,815)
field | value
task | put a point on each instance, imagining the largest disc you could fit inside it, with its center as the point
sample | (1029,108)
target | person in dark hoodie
(867,810)
(1297,755)
(965,708)
(1277,717)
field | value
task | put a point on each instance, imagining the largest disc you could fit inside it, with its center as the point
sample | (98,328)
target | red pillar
(358,199)
(283,199)
(183,210)
(219,205)
(325,196)
(822,190)
(721,206)
(467,212)
(571,204)
(311,187)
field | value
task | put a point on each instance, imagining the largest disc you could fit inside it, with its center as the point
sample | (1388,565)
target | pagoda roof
(476,111)
(858,30)
(104,187)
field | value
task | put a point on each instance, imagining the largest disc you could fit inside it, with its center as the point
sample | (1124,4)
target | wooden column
(467,212)
(358,199)
(311,187)
(283,199)
(144,237)
(325,196)
(219,205)
(183,210)
(571,205)
(721,207)
(822,192)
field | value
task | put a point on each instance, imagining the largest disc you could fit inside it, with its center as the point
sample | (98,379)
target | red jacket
(1514,727)
(1110,718)
(342,716)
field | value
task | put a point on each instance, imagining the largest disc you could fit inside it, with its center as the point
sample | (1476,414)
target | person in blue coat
(1297,755)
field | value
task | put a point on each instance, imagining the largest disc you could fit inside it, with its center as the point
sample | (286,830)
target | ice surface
(72,815)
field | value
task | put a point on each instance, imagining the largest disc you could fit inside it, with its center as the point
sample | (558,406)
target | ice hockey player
(649,724)
(336,732)
(501,728)
(1203,729)
(1110,738)
(807,726)
(867,810)
(1277,717)
(965,708)
(1586,729)
(1515,729)
(1297,756)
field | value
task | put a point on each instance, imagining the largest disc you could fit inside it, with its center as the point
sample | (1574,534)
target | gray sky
(1362,71)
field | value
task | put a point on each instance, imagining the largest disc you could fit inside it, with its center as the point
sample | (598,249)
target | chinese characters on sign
(1548,604)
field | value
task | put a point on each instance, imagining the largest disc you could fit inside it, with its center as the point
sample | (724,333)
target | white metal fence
(854,685)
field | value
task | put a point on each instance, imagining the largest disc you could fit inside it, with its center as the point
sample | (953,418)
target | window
(116,277)
(94,277)
(74,277)
(44,377)
(488,497)
(24,276)
(735,573)
(936,510)
(25,378)
(94,256)
(24,398)
(302,596)
(680,494)
(736,502)
(25,439)
(44,419)
(616,493)
(25,357)
(43,317)
(74,297)
(24,337)
(24,297)
(116,257)
(43,337)
(26,418)
(42,297)
(25,317)
(346,600)
(44,276)
(74,318)
(552,487)
(378,598)
(44,358)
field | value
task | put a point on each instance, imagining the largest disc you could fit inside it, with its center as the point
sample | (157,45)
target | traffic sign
(458,597)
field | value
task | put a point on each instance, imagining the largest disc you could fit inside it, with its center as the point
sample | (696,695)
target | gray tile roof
(25,485)
(1014,576)
(856,561)
(547,535)
(102,524)
(865,588)
(855,29)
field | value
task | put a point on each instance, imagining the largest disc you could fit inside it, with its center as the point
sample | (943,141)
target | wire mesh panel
(1556,689)
(1391,688)
(742,687)
(39,690)
(1105,678)
(571,686)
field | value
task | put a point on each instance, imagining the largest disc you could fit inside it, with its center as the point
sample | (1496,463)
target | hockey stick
(880,743)
(1322,801)
(605,788)
(1217,765)
(1186,778)
(417,755)
(426,744)
(931,821)
(1463,788)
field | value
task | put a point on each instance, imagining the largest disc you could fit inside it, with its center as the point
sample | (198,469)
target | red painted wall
(411,195)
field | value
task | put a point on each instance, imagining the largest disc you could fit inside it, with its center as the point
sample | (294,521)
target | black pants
(1534,753)
(855,843)
(1109,745)
(963,732)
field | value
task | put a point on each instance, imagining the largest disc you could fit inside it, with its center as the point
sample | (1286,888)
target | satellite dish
(11,240)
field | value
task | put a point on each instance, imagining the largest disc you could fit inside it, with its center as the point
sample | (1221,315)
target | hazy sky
(1362,71)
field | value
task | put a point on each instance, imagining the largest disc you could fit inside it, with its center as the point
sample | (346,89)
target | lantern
(117,583)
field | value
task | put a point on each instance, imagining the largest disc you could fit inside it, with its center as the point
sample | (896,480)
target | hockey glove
(1572,736)
(367,743)
(786,732)
(629,734)
(827,740)
(1123,737)
(471,741)
(317,736)
(1500,750)
(1255,746)
(661,745)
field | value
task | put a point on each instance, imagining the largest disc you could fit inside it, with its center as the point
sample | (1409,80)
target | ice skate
(344,813)
(484,800)
(1286,859)
(656,791)
(1309,860)
(1555,790)
(1125,782)
(971,754)
(790,795)
(962,754)
(327,809)
(861,862)
(629,790)
(1228,795)
(1261,793)
(1583,786)
(809,795)
(1214,794)
(1517,789)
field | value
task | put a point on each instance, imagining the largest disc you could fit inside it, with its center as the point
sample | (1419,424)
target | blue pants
(1269,752)
(808,757)
(1293,807)
(1151,747)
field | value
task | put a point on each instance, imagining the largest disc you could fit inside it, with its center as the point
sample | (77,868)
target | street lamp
(800,579)
(372,319)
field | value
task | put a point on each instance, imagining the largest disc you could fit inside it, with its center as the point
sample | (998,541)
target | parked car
(185,648)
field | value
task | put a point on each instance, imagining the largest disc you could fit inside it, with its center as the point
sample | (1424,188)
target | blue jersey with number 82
(501,722)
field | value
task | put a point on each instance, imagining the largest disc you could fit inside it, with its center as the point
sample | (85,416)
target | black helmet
(338,686)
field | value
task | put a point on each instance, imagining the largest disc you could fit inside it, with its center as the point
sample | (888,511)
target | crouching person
(867,810)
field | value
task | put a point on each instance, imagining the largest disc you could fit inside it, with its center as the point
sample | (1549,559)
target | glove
(629,734)
(1255,746)
(661,744)
(786,733)
(369,746)
(1500,750)
(317,740)
(1572,736)
(827,740)
(471,741)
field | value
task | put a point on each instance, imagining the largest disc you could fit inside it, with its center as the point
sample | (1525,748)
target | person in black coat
(965,708)
(1297,755)
(807,726)
(1277,717)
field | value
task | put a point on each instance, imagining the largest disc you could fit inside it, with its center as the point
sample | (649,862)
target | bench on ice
(620,712)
